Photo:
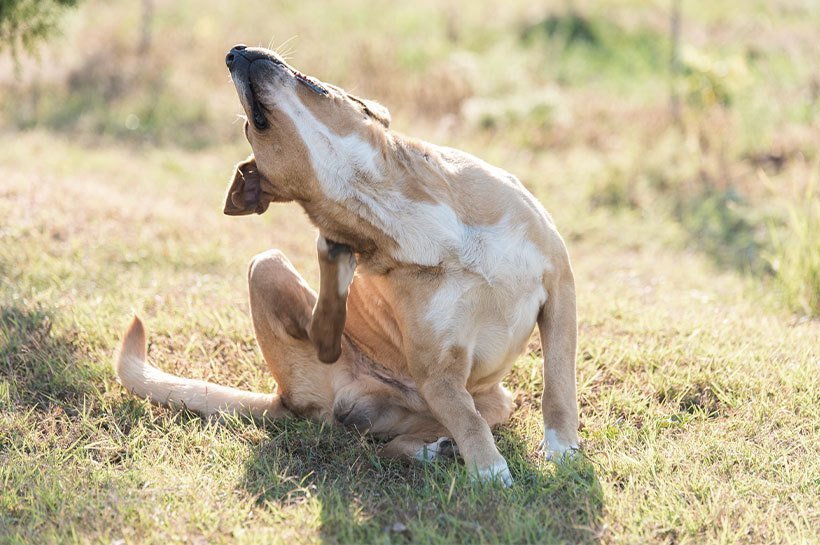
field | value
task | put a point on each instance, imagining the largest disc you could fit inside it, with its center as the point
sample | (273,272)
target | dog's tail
(205,398)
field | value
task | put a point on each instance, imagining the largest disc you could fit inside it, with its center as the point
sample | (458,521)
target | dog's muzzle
(232,54)
(239,60)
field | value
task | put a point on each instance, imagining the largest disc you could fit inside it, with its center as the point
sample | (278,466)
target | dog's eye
(311,84)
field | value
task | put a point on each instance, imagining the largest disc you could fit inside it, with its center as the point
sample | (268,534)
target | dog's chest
(488,300)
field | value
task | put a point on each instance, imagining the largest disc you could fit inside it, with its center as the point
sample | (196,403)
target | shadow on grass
(723,226)
(41,370)
(361,497)
(366,499)
(39,367)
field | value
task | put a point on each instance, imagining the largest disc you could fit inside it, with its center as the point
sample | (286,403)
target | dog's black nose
(229,58)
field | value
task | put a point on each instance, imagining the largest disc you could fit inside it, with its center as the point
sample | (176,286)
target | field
(688,193)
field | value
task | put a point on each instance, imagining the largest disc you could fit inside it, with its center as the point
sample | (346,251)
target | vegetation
(694,244)
(795,254)
(23,22)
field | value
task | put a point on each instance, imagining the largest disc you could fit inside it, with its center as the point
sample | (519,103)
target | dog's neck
(337,222)
(362,211)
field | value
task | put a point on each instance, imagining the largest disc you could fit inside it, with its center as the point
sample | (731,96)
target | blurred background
(707,113)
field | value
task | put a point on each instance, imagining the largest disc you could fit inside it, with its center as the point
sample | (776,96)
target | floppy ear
(245,193)
(374,109)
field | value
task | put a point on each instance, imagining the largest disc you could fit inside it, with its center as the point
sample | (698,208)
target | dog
(435,268)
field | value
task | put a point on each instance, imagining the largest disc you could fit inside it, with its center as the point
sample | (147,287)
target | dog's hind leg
(421,438)
(494,405)
(281,308)
(419,448)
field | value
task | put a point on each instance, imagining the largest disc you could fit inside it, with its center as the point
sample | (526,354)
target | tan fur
(328,319)
(146,381)
(398,374)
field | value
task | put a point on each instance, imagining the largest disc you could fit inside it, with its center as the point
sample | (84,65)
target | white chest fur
(489,299)
(492,315)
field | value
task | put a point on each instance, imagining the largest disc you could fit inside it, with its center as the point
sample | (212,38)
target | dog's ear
(374,109)
(245,192)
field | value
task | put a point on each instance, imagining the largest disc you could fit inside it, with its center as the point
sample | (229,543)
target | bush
(712,81)
(24,22)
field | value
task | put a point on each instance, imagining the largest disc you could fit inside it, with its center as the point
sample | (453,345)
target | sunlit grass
(795,255)
(694,247)
(698,405)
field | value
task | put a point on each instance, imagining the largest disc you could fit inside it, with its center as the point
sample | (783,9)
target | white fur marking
(347,267)
(499,471)
(426,234)
(432,451)
(554,448)
(321,245)
(489,301)
(336,160)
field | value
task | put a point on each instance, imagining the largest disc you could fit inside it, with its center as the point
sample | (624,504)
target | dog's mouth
(246,72)
(250,67)
(257,110)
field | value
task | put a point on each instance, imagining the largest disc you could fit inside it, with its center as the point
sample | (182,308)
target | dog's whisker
(283,49)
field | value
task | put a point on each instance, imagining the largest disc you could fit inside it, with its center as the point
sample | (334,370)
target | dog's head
(307,137)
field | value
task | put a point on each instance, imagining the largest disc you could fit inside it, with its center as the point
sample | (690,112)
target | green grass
(795,256)
(699,402)
(694,247)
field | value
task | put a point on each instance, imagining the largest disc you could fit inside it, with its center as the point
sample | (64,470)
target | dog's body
(456,260)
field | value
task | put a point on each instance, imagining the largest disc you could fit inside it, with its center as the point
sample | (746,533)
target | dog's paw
(341,255)
(557,450)
(443,447)
(337,250)
(330,250)
(347,268)
(498,472)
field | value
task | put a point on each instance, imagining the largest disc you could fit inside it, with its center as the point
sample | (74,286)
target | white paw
(498,472)
(555,449)
(443,446)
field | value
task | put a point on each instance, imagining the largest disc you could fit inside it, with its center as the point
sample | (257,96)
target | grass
(796,252)
(697,371)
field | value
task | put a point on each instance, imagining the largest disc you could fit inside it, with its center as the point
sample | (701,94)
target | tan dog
(457,262)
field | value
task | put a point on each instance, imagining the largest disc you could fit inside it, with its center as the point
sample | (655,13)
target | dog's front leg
(442,383)
(336,267)
(558,329)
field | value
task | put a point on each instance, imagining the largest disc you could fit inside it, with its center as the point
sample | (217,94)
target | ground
(698,356)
